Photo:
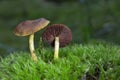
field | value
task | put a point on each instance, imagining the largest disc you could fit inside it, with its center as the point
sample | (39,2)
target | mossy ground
(93,61)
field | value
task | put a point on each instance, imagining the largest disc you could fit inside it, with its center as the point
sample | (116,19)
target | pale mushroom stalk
(31,46)
(56,51)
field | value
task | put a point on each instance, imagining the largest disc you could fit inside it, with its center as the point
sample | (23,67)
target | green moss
(74,62)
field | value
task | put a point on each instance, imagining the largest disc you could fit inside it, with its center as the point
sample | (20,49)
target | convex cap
(29,27)
(57,30)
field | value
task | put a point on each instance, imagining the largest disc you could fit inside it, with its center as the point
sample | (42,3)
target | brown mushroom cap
(57,30)
(30,26)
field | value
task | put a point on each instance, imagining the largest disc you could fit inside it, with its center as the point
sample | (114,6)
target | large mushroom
(28,28)
(57,35)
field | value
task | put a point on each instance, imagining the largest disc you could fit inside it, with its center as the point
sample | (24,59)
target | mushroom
(57,35)
(28,28)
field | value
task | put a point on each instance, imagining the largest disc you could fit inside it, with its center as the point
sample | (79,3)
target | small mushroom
(29,27)
(57,35)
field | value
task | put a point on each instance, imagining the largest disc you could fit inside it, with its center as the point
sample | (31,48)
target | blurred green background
(89,20)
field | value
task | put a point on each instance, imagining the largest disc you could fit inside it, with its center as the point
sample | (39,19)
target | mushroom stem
(31,46)
(56,52)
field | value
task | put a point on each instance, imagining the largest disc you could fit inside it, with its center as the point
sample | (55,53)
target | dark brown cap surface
(57,30)
(30,26)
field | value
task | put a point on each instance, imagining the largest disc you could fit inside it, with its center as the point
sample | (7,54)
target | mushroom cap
(57,30)
(29,27)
